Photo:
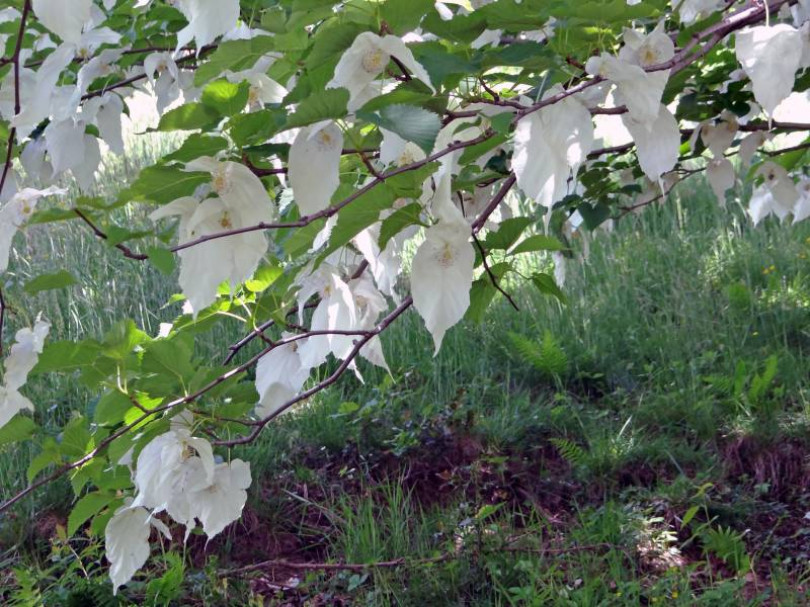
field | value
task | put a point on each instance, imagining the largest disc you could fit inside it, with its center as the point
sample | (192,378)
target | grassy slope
(648,443)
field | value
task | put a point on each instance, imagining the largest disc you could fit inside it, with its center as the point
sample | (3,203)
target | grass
(645,444)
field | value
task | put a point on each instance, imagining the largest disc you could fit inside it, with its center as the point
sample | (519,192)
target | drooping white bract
(657,147)
(720,173)
(99,66)
(777,194)
(37,90)
(14,215)
(207,19)
(33,160)
(749,146)
(366,59)
(335,311)
(167,85)
(169,469)
(126,541)
(719,137)
(25,353)
(22,358)
(262,89)
(386,265)
(690,11)
(550,145)
(396,150)
(369,304)
(770,55)
(636,88)
(106,111)
(647,50)
(441,277)
(241,202)
(65,18)
(801,210)
(280,375)
(314,166)
(221,502)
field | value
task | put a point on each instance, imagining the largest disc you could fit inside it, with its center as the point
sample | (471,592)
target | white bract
(21,360)
(550,146)
(638,89)
(207,20)
(314,167)
(127,541)
(693,10)
(366,59)
(720,173)
(441,277)
(16,213)
(280,375)
(241,201)
(657,147)
(770,55)
(65,18)
(776,195)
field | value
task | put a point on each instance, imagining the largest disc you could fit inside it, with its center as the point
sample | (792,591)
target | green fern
(546,356)
(570,451)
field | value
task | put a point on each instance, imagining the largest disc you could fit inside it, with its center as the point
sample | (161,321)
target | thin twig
(101,234)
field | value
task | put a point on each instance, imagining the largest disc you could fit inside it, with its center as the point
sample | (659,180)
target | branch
(333,210)
(12,135)
(120,246)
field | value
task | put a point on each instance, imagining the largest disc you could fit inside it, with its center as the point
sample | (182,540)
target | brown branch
(12,134)
(98,232)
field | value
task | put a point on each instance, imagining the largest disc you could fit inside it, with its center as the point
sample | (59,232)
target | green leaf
(403,16)
(76,440)
(508,233)
(122,338)
(538,242)
(410,122)
(189,117)
(256,127)
(196,145)
(18,428)
(483,292)
(86,508)
(234,55)
(547,285)
(264,277)
(325,105)
(162,259)
(162,184)
(111,408)
(226,98)
(66,356)
(400,219)
(46,282)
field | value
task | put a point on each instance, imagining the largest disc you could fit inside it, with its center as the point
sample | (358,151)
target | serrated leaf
(538,242)
(162,259)
(196,145)
(400,219)
(410,122)
(507,234)
(326,105)
(225,97)
(46,282)
(19,428)
(234,55)
(86,508)
(188,117)
(547,285)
